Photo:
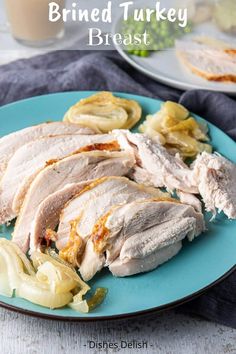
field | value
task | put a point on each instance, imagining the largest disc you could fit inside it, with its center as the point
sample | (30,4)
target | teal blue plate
(199,265)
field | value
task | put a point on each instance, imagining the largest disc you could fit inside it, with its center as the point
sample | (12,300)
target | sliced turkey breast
(11,142)
(154,165)
(92,262)
(81,213)
(138,230)
(31,158)
(216,180)
(144,215)
(208,61)
(48,212)
(190,199)
(153,240)
(121,268)
(75,168)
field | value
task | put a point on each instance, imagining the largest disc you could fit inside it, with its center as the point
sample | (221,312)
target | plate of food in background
(112,205)
(201,55)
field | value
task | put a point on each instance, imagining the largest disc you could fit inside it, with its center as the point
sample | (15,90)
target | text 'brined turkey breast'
(31,158)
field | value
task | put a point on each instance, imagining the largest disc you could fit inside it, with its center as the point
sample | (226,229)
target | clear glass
(225,15)
(29,23)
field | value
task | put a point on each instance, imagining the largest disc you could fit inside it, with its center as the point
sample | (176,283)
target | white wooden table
(166,333)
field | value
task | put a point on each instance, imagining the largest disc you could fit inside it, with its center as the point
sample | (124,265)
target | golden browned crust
(210,77)
(111,146)
(230,51)
(100,232)
(73,251)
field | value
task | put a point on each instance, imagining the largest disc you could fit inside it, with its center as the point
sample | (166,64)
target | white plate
(164,66)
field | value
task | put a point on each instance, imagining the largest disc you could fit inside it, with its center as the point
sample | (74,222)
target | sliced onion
(87,305)
(58,281)
(105,112)
(51,285)
(26,263)
(175,110)
(40,258)
(115,120)
(43,297)
(33,281)
(81,306)
(6,287)
(11,268)
(52,253)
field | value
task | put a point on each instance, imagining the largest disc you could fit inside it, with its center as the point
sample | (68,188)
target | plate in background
(164,66)
(199,265)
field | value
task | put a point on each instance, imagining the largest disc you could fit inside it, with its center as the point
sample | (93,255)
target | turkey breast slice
(159,237)
(190,199)
(86,208)
(92,262)
(11,142)
(139,229)
(212,63)
(31,158)
(216,179)
(133,266)
(75,168)
(48,212)
(154,165)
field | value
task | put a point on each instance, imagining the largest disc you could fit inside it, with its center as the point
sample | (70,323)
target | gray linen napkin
(77,70)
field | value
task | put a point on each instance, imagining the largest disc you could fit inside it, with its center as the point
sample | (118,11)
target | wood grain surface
(166,333)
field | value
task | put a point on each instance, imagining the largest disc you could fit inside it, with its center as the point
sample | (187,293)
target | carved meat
(11,142)
(30,159)
(81,213)
(154,165)
(216,180)
(132,237)
(73,169)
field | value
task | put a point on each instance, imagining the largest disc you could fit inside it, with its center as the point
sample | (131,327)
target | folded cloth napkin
(77,70)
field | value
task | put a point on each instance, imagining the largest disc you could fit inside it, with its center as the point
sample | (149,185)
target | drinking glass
(29,23)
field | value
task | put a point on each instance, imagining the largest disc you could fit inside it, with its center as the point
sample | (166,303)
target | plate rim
(168,81)
(130,315)
(153,310)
